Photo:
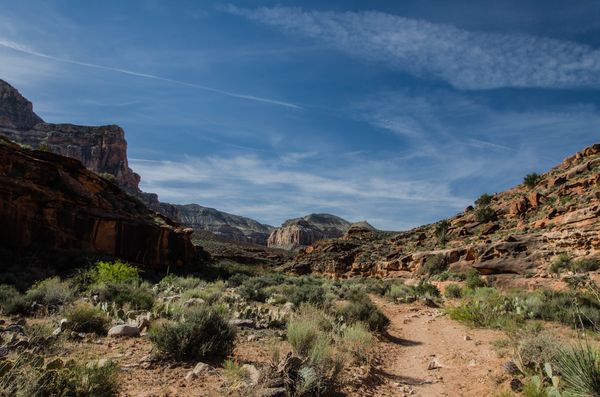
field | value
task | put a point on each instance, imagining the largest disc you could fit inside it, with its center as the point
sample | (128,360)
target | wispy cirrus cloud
(464,59)
(29,51)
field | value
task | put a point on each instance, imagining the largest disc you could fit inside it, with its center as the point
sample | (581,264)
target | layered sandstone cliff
(516,232)
(48,201)
(101,149)
(300,232)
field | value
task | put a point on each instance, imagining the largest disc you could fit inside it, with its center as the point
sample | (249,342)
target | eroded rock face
(101,149)
(53,202)
(16,112)
(305,231)
(561,214)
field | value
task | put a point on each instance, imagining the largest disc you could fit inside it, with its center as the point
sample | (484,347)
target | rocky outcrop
(299,232)
(16,112)
(48,201)
(524,230)
(101,149)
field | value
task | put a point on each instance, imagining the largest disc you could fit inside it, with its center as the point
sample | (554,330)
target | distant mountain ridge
(103,149)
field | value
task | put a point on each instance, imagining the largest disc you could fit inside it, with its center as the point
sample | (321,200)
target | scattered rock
(124,330)
(253,373)
(434,364)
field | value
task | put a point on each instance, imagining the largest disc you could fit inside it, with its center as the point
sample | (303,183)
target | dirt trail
(421,337)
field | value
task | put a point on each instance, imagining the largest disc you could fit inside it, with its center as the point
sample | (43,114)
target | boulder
(124,330)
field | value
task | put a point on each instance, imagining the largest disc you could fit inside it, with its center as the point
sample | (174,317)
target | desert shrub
(441,231)
(12,302)
(133,295)
(451,276)
(211,293)
(234,372)
(486,307)
(179,283)
(530,180)
(254,288)
(358,341)
(27,376)
(204,333)
(579,367)
(434,264)
(405,294)
(84,317)
(483,200)
(485,214)
(426,290)
(563,261)
(585,265)
(308,333)
(308,293)
(453,291)
(534,351)
(361,309)
(237,279)
(401,293)
(52,291)
(113,272)
(472,279)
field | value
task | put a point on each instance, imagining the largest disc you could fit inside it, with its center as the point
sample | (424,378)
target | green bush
(563,261)
(485,214)
(453,291)
(12,302)
(530,180)
(426,290)
(84,317)
(51,292)
(254,288)
(585,265)
(312,294)
(179,283)
(472,279)
(204,333)
(361,309)
(483,200)
(486,307)
(113,272)
(358,341)
(131,295)
(434,264)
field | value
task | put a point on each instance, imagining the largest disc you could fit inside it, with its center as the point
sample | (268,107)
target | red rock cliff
(51,201)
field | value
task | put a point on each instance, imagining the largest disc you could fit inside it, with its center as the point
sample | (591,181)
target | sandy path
(419,335)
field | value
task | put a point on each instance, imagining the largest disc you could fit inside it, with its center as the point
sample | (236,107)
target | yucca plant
(580,370)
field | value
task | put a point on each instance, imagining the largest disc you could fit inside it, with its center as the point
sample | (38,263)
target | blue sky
(400,113)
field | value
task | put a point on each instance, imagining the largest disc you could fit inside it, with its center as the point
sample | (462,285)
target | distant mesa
(302,232)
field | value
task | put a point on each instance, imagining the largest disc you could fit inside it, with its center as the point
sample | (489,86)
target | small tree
(532,179)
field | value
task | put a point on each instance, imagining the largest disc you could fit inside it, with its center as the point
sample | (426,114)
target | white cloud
(465,59)
(241,184)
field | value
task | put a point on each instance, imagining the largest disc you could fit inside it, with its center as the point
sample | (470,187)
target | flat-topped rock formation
(301,232)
